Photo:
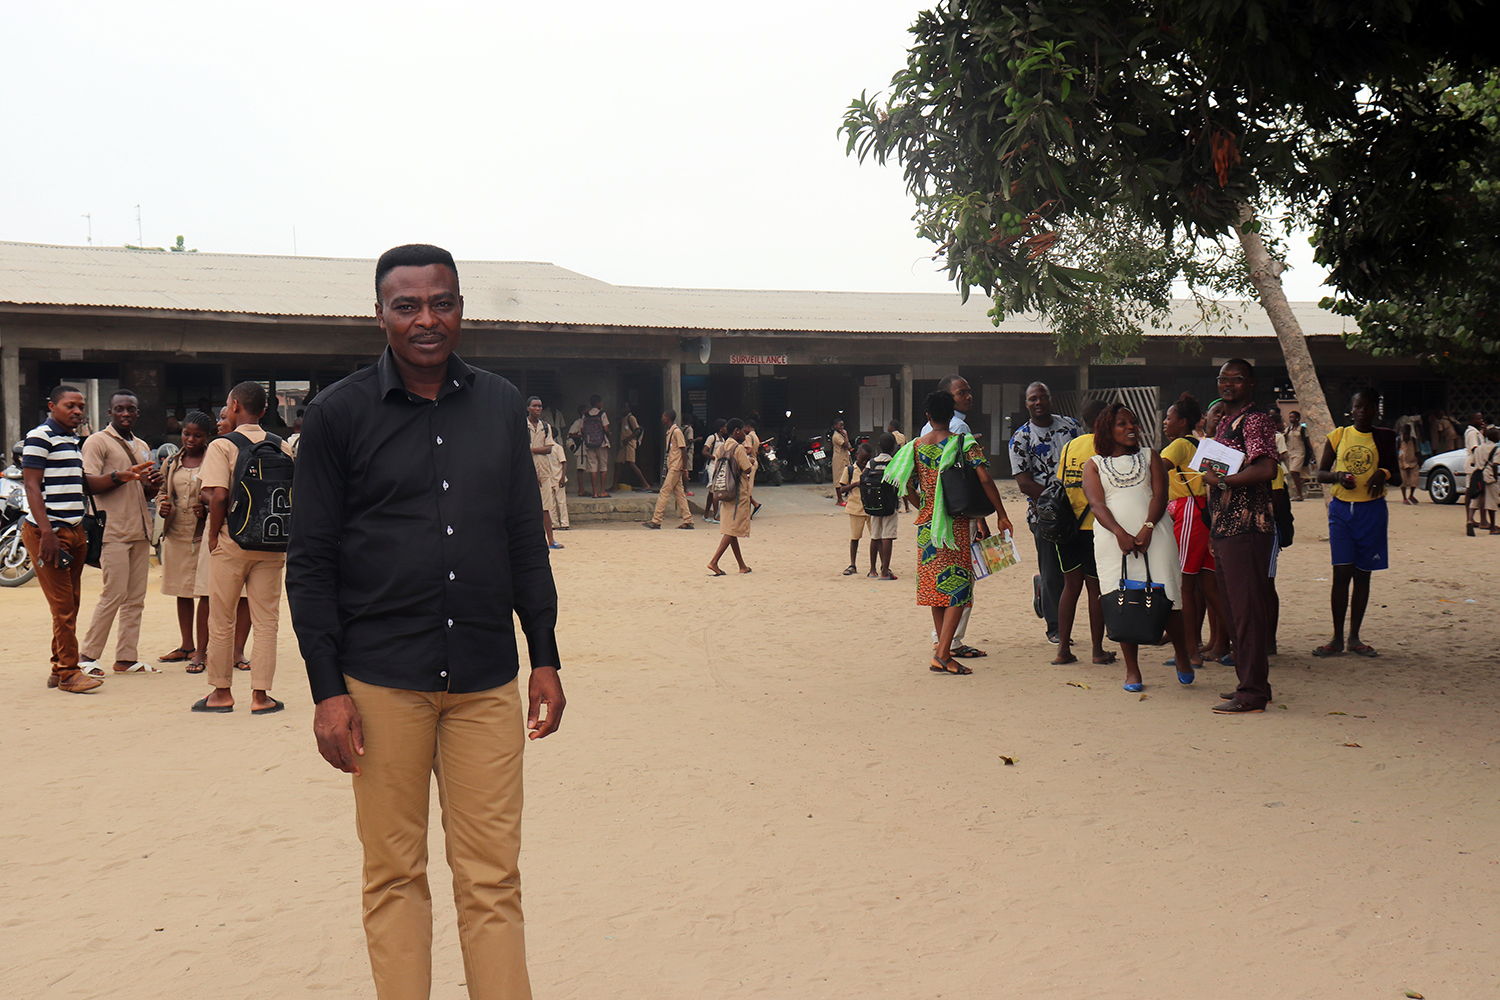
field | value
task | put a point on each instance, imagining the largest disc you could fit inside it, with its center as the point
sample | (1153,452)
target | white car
(1443,476)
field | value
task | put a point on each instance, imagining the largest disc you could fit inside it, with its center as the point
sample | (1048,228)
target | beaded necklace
(1126,478)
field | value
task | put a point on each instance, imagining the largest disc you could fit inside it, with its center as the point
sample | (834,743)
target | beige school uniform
(671,485)
(630,438)
(854,504)
(1411,463)
(182,537)
(126,556)
(232,569)
(737,524)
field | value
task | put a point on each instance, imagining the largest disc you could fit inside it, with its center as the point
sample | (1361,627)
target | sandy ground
(760,791)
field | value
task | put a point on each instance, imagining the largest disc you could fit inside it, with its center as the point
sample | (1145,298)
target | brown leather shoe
(77,682)
(52,679)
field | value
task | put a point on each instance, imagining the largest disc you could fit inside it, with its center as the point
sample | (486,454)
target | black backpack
(1055,520)
(878,496)
(593,430)
(260,497)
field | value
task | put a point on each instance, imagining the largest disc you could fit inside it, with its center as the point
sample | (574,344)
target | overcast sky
(657,143)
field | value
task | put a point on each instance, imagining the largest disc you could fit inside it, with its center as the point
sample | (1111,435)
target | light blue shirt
(955,426)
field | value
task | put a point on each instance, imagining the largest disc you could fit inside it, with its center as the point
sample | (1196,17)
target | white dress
(1127,493)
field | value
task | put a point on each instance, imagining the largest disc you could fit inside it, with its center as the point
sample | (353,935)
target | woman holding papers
(1188,498)
(1126,486)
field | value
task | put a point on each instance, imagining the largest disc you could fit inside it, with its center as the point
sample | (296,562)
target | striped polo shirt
(54,449)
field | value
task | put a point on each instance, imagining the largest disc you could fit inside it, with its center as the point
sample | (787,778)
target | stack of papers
(1224,460)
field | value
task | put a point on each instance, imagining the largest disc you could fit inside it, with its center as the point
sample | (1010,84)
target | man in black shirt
(416,532)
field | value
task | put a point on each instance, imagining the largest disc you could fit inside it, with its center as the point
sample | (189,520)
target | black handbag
(93,531)
(963,494)
(1136,611)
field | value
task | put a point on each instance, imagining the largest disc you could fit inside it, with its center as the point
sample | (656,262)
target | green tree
(1412,235)
(1018,124)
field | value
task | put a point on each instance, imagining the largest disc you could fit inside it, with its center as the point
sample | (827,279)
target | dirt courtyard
(759,790)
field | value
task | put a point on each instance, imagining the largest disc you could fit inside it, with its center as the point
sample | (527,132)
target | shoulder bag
(93,531)
(963,494)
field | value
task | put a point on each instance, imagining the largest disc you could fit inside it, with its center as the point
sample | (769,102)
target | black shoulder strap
(242,462)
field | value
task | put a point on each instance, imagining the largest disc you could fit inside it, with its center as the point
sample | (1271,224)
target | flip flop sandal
(939,667)
(242,664)
(275,706)
(850,571)
(176,656)
(1363,650)
(967,652)
(138,668)
(1326,650)
(196,666)
(202,705)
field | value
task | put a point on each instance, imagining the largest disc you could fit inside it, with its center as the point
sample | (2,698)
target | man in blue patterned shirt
(1035,448)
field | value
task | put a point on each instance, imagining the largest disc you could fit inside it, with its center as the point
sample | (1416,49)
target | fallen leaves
(1353,745)
(1009,761)
(1075,684)
(1414,995)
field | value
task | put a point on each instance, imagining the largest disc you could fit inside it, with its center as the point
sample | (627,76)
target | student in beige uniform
(542,444)
(232,568)
(559,505)
(752,448)
(734,524)
(847,489)
(671,486)
(126,556)
(630,440)
(183,517)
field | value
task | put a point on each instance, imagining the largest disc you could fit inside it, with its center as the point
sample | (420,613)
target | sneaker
(1052,638)
(91,668)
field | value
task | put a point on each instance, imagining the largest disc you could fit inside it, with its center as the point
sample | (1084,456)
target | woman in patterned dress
(945,576)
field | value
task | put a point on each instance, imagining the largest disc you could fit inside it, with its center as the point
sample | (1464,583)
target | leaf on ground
(1353,745)
(1338,713)
(1414,995)
(1008,760)
(1075,684)
(1144,697)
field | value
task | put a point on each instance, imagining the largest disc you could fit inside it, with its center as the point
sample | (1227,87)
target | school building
(180,329)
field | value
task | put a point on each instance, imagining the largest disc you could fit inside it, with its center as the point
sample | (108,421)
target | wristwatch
(114,477)
(1149,524)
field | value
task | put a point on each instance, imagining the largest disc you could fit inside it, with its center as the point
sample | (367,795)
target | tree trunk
(1265,273)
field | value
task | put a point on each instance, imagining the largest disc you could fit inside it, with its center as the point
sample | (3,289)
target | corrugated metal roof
(498,291)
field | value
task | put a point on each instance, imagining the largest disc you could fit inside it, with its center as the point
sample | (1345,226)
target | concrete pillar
(1083,377)
(10,392)
(671,387)
(227,375)
(907,427)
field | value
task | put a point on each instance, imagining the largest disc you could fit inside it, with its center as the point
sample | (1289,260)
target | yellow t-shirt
(854,500)
(1070,470)
(1354,452)
(1182,481)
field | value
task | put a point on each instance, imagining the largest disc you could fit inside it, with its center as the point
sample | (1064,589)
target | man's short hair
(733,426)
(122,392)
(894,425)
(595,400)
(946,382)
(670,414)
(251,397)
(412,255)
(888,443)
(60,391)
(1033,385)
(1240,363)
(533,399)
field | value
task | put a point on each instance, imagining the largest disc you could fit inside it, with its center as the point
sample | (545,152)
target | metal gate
(1144,401)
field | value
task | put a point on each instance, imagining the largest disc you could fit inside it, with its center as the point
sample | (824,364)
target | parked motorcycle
(769,471)
(15,561)
(801,458)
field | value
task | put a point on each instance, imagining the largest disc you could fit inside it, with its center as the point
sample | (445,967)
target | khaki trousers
(473,743)
(672,487)
(125,566)
(62,589)
(259,576)
(559,509)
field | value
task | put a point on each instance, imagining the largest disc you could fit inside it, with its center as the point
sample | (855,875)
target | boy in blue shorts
(1357,461)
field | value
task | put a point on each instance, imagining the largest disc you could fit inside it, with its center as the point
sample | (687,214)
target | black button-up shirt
(416,532)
